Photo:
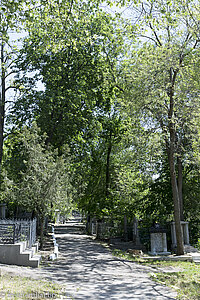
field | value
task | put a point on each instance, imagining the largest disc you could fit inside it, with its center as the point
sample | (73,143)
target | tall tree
(164,80)
(70,59)
(41,180)
(77,65)
(12,15)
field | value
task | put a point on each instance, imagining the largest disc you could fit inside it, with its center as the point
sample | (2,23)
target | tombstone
(158,240)
(2,210)
(185,234)
(88,223)
(94,227)
(136,237)
(125,229)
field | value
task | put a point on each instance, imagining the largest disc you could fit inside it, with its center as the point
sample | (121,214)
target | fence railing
(13,231)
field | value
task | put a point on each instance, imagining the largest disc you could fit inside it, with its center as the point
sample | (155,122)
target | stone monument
(158,240)
(185,233)
(136,237)
(2,210)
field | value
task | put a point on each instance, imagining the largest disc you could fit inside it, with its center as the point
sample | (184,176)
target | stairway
(50,245)
(18,254)
(48,242)
(193,252)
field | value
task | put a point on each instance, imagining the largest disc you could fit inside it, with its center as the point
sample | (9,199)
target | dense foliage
(115,97)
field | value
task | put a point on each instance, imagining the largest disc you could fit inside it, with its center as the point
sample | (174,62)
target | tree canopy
(119,91)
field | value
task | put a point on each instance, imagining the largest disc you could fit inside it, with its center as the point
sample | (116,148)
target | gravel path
(87,270)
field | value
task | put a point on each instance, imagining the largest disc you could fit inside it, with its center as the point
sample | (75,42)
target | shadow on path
(89,271)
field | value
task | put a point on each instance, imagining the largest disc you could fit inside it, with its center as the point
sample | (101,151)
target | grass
(184,277)
(186,282)
(17,287)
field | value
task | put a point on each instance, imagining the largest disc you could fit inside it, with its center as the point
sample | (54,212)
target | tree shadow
(87,270)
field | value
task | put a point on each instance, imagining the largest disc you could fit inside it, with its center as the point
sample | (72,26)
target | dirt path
(87,270)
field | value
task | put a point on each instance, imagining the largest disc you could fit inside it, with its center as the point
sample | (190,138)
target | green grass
(17,287)
(185,278)
(186,282)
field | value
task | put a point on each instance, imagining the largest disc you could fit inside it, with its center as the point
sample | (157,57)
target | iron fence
(14,231)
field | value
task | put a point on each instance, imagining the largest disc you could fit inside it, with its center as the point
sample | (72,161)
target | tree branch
(155,34)
(150,38)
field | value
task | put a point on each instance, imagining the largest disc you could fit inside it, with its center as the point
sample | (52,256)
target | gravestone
(2,210)
(94,227)
(185,234)
(158,240)
(136,237)
(125,229)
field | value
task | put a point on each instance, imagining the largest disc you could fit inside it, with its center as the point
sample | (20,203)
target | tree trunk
(177,219)
(180,186)
(108,165)
(2,102)
(171,157)
(175,193)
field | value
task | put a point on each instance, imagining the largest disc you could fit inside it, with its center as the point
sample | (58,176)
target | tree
(43,182)
(99,166)
(11,19)
(72,63)
(164,82)
(78,66)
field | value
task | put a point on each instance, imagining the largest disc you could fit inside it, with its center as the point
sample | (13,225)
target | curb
(54,255)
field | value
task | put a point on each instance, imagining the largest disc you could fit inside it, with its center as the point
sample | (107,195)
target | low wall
(10,254)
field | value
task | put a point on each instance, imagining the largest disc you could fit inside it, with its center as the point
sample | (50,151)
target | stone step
(28,258)
(47,244)
(34,261)
(26,254)
(190,249)
(24,245)
(196,261)
(196,257)
(48,248)
(16,254)
(34,250)
(168,258)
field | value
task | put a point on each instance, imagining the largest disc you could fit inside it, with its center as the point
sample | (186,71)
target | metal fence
(105,230)
(14,231)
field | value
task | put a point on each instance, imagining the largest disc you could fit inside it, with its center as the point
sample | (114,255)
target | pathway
(87,270)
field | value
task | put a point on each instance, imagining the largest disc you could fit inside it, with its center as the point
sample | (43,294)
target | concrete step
(9,253)
(196,257)
(196,261)
(35,248)
(48,245)
(16,254)
(168,258)
(34,261)
(36,245)
(190,249)
(26,254)
(29,258)
(23,245)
